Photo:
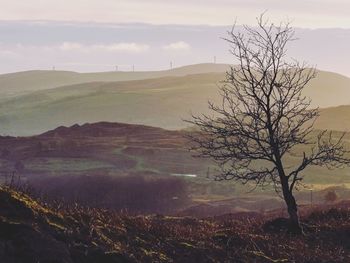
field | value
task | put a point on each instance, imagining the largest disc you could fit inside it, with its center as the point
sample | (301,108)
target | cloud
(69,46)
(8,54)
(114,47)
(130,47)
(177,46)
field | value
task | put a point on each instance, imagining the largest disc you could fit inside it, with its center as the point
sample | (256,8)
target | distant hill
(329,89)
(334,118)
(161,102)
(99,148)
(157,101)
(27,81)
(119,149)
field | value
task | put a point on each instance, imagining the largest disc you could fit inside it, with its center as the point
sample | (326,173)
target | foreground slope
(32,232)
(162,102)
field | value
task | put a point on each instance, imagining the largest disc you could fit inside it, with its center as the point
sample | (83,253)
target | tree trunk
(294,223)
(295,226)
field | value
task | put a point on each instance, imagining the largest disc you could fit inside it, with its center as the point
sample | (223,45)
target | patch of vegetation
(65,164)
(71,233)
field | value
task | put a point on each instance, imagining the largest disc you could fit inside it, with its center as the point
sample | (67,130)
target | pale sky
(304,13)
(98,35)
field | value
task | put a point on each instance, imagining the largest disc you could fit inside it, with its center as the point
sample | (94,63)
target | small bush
(331,196)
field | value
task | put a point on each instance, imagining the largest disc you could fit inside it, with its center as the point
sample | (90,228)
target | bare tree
(264,116)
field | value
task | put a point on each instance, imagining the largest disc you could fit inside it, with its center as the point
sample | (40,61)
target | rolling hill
(161,102)
(156,101)
(334,118)
(100,148)
(23,82)
(117,149)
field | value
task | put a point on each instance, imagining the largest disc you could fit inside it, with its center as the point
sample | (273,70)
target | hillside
(117,149)
(72,161)
(98,150)
(142,101)
(136,102)
(111,148)
(334,118)
(28,81)
(32,232)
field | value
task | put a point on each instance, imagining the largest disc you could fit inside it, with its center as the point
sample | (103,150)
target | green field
(163,99)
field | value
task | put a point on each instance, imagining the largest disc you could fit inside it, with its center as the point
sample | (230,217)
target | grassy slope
(37,232)
(161,102)
(27,81)
(334,118)
(158,102)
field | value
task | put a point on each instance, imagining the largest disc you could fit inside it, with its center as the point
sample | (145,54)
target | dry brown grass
(182,239)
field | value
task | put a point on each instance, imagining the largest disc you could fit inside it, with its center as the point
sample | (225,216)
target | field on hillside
(13,84)
(45,100)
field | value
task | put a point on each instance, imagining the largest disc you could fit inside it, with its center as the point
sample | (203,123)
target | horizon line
(143,71)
